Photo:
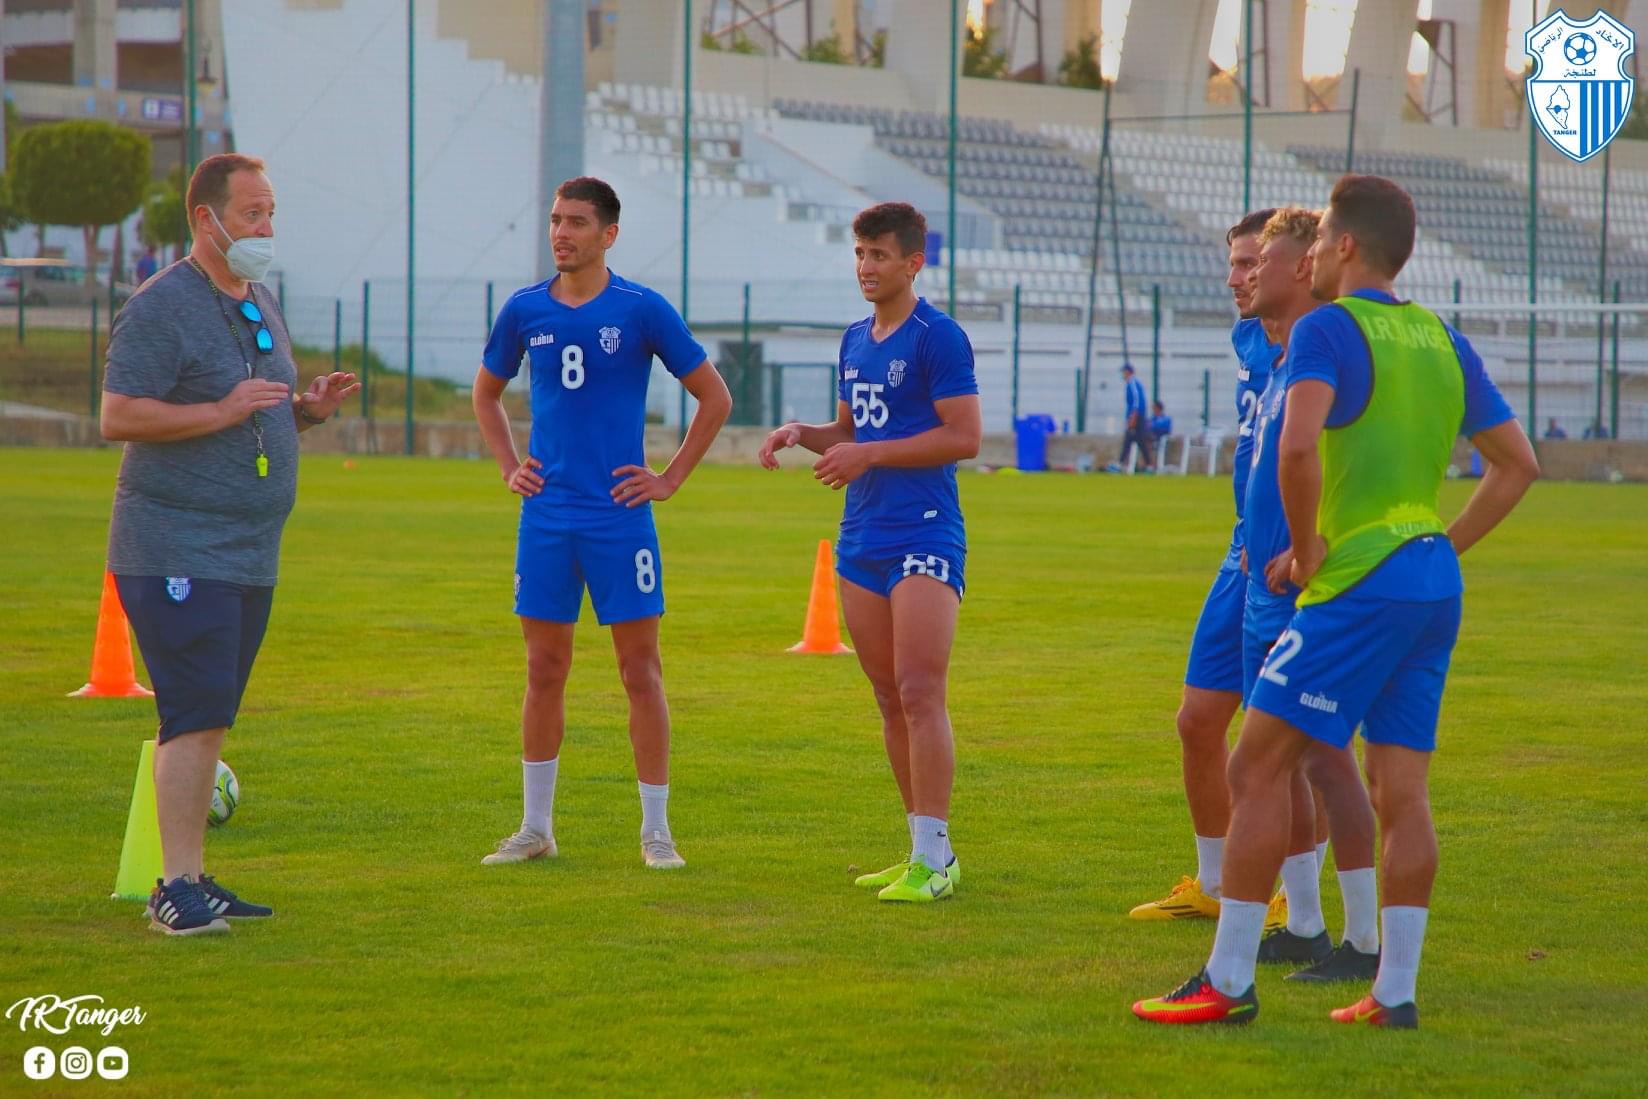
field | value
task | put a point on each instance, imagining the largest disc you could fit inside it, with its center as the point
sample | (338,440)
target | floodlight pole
(411,188)
(686,180)
(189,92)
(1017,319)
(1602,272)
(1533,278)
(1085,375)
(950,230)
(1247,107)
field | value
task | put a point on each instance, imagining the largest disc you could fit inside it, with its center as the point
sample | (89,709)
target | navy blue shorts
(1353,661)
(1216,646)
(883,571)
(617,559)
(198,639)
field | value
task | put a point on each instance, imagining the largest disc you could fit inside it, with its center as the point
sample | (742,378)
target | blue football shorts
(1374,662)
(1264,618)
(1216,646)
(882,570)
(617,559)
(198,639)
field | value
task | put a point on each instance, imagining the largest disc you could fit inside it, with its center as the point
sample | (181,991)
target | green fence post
(337,335)
(91,393)
(1156,341)
(1457,288)
(22,292)
(1207,396)
(365,349)
(1016,324)
(490,316)
(1613,416)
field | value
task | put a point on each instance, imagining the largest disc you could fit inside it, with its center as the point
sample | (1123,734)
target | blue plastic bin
(1030,433)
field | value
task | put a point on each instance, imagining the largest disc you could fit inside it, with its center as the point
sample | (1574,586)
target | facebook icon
(39,1063)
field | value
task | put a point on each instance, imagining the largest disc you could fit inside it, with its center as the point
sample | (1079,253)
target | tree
(163,223)
(84,173)
(1079,68)
(11,216)
(981,57)
(827,50)
(1636,126)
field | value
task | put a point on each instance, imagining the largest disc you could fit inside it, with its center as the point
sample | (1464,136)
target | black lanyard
(262,462)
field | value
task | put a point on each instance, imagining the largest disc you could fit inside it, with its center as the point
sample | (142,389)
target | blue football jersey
(590,369)
(1254,356)
(1264,522)
(890,387)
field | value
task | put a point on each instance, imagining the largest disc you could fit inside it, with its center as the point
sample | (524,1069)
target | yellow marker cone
(822,632)
(140,858)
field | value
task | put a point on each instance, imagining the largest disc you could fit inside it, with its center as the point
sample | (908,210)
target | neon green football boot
(919,885)
(883,878)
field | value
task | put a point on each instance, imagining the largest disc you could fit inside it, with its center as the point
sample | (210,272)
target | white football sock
(655,808)
(931,842)
(1304,894)
(1321,856)
(1210,854)
(1399,964)
(1236,945)
(910,818)
(1360,890)
(538,793)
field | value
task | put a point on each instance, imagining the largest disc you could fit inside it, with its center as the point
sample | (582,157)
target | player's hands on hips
(525,481)
(782,439)
(842,464)
(327,393)
(639,485)
(252,395)
(1277,572)
(1307,559)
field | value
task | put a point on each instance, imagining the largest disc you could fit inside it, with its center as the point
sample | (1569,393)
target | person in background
(1553,430)
(1161,424)
(146,266)
(1137,432)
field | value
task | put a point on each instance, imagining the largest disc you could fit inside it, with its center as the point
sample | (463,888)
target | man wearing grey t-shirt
(201,387)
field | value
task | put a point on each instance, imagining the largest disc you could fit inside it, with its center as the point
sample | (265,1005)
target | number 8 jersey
(890,388)
(590,369)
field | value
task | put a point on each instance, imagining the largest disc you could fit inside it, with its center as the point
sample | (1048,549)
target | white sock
(1304,894)
(932,840)
(1321,856)
(1210,855)
(1360,890)
(654,808)
(1399,964)
(910,818)
(1236,945)
(538,793)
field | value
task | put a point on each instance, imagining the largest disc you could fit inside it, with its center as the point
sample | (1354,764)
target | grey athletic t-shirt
(197,507)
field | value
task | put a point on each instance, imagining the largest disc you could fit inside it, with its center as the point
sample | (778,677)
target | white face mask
(248,258)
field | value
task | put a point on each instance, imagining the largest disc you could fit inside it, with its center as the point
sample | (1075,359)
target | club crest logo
(895,372)
(178,588)
(1580,92)
(609,340)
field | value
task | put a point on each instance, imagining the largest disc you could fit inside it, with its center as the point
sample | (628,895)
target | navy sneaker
(179,907)
(1346,963)
(224,903)
(1284,946)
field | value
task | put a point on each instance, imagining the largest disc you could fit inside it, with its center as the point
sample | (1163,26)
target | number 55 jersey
(909,517)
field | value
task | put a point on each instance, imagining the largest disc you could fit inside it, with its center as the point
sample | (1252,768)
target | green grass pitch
(377,752)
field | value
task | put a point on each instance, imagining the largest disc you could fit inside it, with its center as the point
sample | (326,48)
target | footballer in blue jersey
(1371,642)
(1281,297)
(908,410)
(1213,674)
(587,493)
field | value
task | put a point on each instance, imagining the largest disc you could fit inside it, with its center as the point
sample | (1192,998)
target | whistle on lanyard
(263,465)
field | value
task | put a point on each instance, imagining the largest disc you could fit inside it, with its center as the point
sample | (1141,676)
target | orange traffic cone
(112,673)
(823,631)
